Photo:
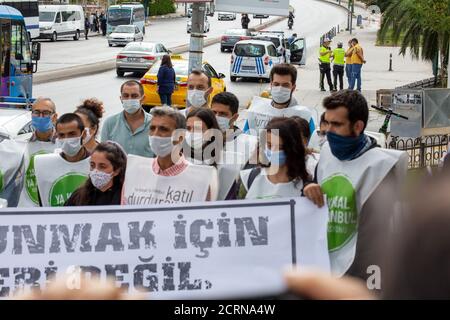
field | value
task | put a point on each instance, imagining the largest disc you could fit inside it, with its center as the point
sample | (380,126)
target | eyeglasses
(38,113)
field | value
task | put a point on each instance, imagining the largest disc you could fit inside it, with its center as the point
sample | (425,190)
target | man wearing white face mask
(168,178)
(199,89)
(283,78)
(129,128)
(225,106)
(59,175)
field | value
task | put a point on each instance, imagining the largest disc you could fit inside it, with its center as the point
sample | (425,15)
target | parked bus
(16,58)
(133,14)
(30,11)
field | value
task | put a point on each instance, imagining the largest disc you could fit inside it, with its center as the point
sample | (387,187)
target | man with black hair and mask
(58,175)
(357,176)
(283,78)
(199,89)
(129,128)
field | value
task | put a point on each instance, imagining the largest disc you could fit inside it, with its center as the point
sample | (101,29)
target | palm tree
(422,26)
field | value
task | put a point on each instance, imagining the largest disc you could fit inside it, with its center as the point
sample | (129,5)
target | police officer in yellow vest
(325,54)
(338,66)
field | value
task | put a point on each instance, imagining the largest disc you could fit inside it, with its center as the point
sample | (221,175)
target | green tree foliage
(160,7)
(422,26)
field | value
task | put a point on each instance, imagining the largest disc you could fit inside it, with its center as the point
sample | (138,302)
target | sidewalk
(375,74)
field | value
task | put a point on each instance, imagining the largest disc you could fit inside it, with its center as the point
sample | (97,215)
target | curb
(107,65)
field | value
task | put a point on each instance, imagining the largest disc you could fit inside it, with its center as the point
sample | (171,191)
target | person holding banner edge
(106,176)
(169,178)
(59,175)
(357,177)
(286,173)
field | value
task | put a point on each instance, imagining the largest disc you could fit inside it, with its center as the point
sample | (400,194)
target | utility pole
(196,41)
(351,7)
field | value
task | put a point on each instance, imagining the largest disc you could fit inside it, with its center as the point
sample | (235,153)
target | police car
(15,124)
(253,59)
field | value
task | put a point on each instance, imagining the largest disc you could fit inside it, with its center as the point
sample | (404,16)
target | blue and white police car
(253,59)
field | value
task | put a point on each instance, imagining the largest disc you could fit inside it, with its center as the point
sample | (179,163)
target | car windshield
(46,16)
(139,47)
(119,16)
(249,50)
(235,32)
(274,40)
(180,67)
(124,29)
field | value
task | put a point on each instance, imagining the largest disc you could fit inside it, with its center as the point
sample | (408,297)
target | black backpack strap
(252,176)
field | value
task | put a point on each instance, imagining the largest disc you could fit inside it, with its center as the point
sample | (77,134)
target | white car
(125,34)
(226,16)
(139,57)
(15,124)
(205,26)
(253,59)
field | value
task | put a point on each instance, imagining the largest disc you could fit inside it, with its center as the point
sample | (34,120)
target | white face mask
(224,123)
(280,94)
(100,179)
(194,140)
(196,98)
(131,106)
(161,146)
(70,146)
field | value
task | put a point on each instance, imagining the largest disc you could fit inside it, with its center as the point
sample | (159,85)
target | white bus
(30,12)
(133,14)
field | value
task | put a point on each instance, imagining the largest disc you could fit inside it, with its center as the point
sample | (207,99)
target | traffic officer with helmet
(325,54)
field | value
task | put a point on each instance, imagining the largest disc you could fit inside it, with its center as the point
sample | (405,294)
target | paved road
(313,18)
(171,32)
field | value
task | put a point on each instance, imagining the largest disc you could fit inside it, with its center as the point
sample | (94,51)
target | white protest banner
(212,250)
(270,7)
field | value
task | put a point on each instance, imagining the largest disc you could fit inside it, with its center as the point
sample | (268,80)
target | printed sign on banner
(216,250)
(270,7)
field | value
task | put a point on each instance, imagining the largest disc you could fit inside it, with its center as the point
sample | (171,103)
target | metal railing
(330,34)
(422,151)
(423,84)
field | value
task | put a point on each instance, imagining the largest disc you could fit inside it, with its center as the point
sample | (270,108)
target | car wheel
(222,49)
(120,73)
(77,35)
(110,44)
(233,79)
(54,36)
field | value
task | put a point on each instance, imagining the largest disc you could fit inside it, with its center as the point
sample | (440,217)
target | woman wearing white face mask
(91,111)
(106,176)
(286,173)
(204,138)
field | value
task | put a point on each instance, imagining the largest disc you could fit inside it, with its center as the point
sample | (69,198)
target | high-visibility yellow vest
(339,56)
(325,58)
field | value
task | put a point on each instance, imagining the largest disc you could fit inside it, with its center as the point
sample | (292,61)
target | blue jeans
(356,77)
(166,98)
(348,73)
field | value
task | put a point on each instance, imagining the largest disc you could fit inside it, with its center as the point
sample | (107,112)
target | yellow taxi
(180,65)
